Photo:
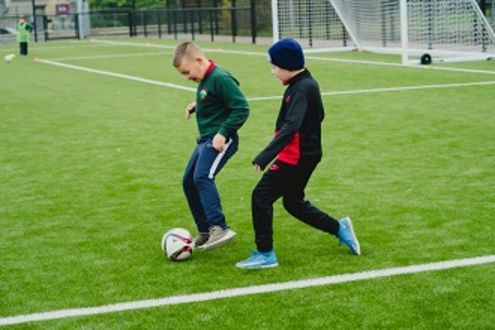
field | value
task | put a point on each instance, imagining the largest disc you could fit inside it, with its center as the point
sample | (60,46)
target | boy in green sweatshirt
(221,109)
(23,31)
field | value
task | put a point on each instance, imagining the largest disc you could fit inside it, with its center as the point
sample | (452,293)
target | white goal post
(4,6)
(420,31)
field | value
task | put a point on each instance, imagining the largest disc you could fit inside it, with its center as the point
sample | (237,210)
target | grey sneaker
(201,239)
(218,237)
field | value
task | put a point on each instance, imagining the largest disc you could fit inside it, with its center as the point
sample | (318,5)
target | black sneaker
(201,239)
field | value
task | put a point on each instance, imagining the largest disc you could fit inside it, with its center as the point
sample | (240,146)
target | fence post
(200,7)
(145,30)
(327,19)
(215,4)
(212,33)
(76,19)
(310,24)
(174,16)
(253,21)
(344,36)
(45,27)
(34,21)
(169,27)
(192,23)
(184,17)
(129,22)
(159,21)
(234,20)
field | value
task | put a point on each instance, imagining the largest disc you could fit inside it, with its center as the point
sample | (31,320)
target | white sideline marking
(244,291)
(128,43)
(213,50)
(398,65)
(99,57)
(238,52)
(444,68)
(265,98)
(75,44)
(118,75)
(385,89)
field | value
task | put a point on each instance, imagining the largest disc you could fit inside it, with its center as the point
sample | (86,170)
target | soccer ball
(177,243)
(9,58)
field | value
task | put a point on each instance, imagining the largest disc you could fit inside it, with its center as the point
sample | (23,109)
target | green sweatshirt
(220,105)
(23,30)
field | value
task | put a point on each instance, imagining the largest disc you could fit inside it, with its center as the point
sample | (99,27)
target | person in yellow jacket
(23,31)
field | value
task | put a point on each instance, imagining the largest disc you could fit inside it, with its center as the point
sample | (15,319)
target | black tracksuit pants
(23,48)
(286,181)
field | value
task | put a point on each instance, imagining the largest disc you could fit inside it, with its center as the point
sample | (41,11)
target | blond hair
(186,50)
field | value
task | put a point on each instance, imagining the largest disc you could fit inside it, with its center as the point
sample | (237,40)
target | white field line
(118,75)
(315,58)
(212,50)
(265,98)
(99,57)
(76,44)
(385,89)
(245,291)
(128,43)
(398,65)
(445,68)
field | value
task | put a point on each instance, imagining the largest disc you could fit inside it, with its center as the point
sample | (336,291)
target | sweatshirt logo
(287,99)
(202,94)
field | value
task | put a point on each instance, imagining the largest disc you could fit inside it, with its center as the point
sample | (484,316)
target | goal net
(428,30)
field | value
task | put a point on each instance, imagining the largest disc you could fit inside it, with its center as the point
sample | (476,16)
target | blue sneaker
(346,235)
(259,260)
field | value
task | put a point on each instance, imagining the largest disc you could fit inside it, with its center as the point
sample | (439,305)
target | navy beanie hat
(287,54)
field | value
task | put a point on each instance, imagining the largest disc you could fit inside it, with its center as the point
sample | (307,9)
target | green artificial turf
(90,179)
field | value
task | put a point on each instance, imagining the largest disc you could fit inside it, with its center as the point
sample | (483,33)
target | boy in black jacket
(297,150)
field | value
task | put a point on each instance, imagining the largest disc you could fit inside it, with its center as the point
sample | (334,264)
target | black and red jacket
(298,128)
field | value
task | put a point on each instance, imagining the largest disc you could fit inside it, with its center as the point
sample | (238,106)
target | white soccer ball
(9,58)
(177,243)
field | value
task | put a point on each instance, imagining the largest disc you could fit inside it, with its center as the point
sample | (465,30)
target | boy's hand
(190,109)
(218,142)
(258,168)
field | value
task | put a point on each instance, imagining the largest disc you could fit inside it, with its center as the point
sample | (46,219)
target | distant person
(221,109)
(296,148)
(24,30)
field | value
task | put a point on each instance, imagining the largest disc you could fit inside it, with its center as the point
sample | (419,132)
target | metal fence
(207,23)
(249,21)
